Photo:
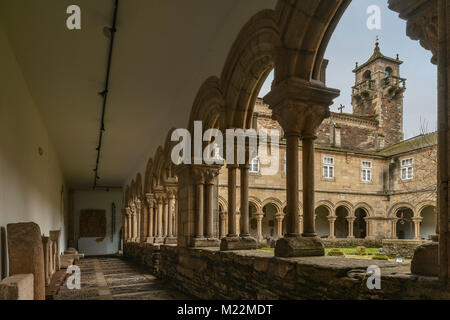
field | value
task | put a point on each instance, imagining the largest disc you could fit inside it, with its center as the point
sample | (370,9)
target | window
(284,164)
(407,170)
(366,171)
(254,165)
(328,168)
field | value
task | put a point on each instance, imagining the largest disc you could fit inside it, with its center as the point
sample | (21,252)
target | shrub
(380,256)
(335,252)
(360,251)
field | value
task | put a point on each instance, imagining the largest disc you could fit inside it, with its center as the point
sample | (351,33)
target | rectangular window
(328,168)
(366,171)
(407,169)
(254,165)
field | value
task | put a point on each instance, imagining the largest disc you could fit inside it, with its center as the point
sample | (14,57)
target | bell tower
(378,94)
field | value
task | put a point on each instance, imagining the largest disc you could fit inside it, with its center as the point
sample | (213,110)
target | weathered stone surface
(47,247)
(425,260)
(17,287)
(299,247)
(238,243)
(66,262)
(26,254)
(71,251)
(55,235)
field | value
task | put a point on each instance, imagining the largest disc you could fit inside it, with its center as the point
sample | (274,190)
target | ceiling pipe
(104,93)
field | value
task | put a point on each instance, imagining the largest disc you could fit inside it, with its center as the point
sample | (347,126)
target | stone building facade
(370,182)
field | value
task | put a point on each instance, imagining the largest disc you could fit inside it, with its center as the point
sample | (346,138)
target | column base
(158,240)
(170,240)
(149,239)
(204,242)
(143,239)
(238,243)
(298,246)
(425,260)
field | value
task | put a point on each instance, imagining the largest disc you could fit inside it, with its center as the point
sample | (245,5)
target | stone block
(299,246)
(55,235)
(425,260)
(204,242)
(26,254)
(47,247)
(66,262)
(17,287)
(238,243)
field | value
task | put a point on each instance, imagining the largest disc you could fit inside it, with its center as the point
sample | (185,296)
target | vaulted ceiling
(164,50)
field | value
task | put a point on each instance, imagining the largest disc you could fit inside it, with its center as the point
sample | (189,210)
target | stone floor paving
(111,278)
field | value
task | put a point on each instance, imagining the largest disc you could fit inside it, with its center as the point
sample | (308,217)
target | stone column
(165,220)
(159,234)
(130,223)
(394,228)
(171,239)
(331,220)
(135,223)
(299,106)
(142,225)
(210,176)
(125,225)
(259,217)
(279,217)
(350,221)
(223,225)
(417,221)
(244,168)
(300,224)
(150,227)
(200,186)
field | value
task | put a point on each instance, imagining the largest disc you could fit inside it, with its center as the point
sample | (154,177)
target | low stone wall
(208,273)
(351,243)
(147,254)
(401,248)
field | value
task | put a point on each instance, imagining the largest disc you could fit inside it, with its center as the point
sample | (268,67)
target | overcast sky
(353,41)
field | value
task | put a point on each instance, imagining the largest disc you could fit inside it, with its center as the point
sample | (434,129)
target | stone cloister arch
(322,222)
(291,40)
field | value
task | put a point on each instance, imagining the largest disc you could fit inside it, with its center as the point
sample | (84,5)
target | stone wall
(401,248)
(351,243)
(208,273)
(147,254)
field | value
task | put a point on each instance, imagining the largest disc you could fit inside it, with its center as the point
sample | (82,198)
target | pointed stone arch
(249,61)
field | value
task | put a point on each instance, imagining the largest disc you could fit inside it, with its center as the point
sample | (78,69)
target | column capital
(331,218)
(259,215)
(300,106)
(150,199)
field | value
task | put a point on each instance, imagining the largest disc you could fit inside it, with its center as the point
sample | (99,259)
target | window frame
(366,171)
(328,167)
(252,164)
(408,168)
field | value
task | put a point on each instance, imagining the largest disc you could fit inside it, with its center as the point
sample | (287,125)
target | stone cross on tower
(342,107)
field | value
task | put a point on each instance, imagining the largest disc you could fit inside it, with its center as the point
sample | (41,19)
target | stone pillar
(394,228)
(300,107)
(125,225)
(417,221)
(350,221)
(279,217)
(55,235)
(259,217)
(165,221)
(223,225)
(210,177)
(141,212)
(159,234)
(300,223)
(199,225)
(245,228)
(130,225)
(171,239)
(26,254)
(151,209)
(331,220)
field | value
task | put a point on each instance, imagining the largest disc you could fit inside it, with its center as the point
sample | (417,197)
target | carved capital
(300,106)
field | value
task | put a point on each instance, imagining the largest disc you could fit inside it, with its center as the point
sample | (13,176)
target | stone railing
(401,248)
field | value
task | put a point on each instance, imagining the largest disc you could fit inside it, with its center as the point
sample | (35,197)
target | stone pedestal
(170,240)
(55,236)
(204,242)
(47,248)
(298,246)
(238,243)
(26,254)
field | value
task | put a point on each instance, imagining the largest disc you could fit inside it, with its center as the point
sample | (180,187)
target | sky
(353,42)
